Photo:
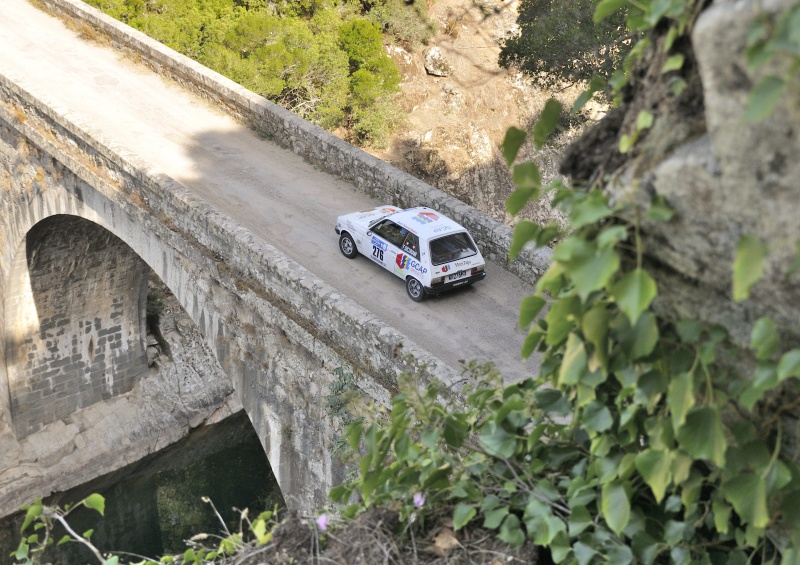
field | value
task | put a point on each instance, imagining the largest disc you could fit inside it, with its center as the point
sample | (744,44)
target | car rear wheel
(415,290)
(347,245)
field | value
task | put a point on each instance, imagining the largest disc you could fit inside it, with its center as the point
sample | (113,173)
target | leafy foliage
(559,41)
(406,22)
(43,520)
(771,39)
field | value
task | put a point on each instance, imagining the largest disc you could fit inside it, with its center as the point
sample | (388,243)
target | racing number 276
(377,252)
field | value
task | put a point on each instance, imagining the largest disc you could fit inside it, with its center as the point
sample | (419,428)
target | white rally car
(426,249)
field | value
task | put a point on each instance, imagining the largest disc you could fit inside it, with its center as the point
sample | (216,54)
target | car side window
(391,232)
(411,245)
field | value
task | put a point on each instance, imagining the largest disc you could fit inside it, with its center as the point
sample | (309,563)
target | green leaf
(764,338)
(514,139)
(462,515)
(510,531)
(579,520)
(606,8)
(689,330)
(656,470)
(626,142)
(748,266)
(616,506)
(561,319)
(583,553)
(573,366)
(659,211)
(527,176)
(633,293)
(22,551)
(789,365)
(597,83)
(680,398)
(95,502)
(531,341)
(644,120)
(645,336)
(592,272)
(529,309)
(493,518)
(703,436)
(33,511)
(112,560)
(597,417)
(524,231)
(594,325)
(547,122)
(748,495)
(763,98)
(611,236)
(674,63)
(497,441)
(591,209)
(722,516)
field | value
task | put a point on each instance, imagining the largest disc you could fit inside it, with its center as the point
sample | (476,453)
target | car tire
(415,290)
(347,246)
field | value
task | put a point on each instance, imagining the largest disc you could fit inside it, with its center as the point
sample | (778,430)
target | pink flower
(322,522)
(419,499)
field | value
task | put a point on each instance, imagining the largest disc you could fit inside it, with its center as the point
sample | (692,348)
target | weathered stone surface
(436,63)
(181,393)
(739,178)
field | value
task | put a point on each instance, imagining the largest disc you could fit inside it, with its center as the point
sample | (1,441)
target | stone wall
(370,174)
(75,313)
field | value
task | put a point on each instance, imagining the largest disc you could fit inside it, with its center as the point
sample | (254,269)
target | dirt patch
(455,124)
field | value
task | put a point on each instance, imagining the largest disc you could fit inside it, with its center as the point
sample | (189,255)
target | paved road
(263,187)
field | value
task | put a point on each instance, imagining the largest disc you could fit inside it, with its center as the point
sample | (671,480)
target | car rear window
(452,247)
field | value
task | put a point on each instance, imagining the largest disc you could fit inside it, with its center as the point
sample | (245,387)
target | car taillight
(437,280)
(476,270)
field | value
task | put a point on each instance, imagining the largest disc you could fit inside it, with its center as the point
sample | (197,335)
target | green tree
(406,22)
(558,41)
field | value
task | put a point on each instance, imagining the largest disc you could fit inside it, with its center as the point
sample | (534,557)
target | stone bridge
(83,223)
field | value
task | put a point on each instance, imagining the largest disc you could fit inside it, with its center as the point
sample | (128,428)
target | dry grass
(377,538)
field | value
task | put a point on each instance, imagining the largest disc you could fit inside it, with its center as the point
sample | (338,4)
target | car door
(386,239)
(408,260)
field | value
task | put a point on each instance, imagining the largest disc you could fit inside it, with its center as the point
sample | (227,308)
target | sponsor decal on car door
(379,251)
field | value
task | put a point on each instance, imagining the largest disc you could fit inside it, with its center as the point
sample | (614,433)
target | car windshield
(452,247)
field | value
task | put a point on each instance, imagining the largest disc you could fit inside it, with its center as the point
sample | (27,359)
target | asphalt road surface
(261,186)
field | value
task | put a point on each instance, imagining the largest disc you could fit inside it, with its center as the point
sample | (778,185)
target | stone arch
(74,322)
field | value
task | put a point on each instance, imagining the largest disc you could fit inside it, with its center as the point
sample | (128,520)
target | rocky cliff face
(459,104)
(724,176)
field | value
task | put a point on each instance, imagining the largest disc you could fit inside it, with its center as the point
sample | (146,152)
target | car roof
(426,222)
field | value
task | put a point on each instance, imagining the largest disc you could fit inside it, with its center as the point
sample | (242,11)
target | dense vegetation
(323,60)
(559,42)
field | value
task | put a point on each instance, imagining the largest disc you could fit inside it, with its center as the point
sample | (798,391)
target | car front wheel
(415,290)
(347,245)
